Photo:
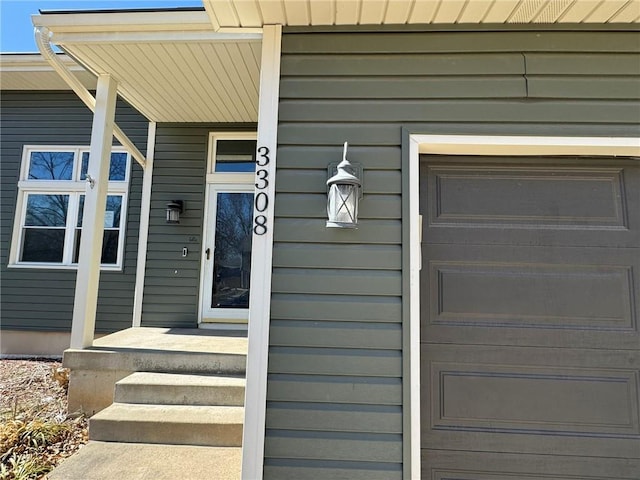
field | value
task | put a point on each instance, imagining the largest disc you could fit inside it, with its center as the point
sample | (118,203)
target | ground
(36,432)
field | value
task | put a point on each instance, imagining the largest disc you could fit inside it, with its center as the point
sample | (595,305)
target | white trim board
(474,145)
(143,233)
(261,262)
(526,145)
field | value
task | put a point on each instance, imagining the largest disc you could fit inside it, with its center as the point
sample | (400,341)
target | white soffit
(254,13)
(32,72)
(171,66)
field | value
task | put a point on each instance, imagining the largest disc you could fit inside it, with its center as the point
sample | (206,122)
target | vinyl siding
(42,299)
(335,384)
(172,282)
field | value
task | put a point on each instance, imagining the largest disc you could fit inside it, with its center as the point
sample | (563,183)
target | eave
(19,71)
(252,13)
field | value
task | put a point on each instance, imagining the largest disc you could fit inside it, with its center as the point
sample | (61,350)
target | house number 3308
(261,200)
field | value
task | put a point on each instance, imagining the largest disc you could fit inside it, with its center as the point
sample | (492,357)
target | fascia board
(165,36)
(123,21)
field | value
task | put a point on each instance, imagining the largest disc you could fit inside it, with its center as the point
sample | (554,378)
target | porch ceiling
(253,13)
(171,66)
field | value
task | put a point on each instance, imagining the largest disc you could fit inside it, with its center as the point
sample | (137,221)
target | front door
(226,261)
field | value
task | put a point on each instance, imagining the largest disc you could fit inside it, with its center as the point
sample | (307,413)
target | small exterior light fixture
(343,196)
(174,209)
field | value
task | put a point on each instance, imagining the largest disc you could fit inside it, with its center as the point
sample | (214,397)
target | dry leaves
(35,431)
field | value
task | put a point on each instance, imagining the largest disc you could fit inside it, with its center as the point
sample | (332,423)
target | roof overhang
(253,13)
(30,71)
(203,65)
(172,66)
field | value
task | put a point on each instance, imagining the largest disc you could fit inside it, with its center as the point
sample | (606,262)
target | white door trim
(219,182)
(473,145)
(207,313)
(255,404)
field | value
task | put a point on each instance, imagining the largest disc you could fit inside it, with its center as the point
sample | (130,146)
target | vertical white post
(261,259)
(86,296)
(143,235)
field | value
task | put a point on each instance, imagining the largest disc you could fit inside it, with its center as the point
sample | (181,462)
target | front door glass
(232,251)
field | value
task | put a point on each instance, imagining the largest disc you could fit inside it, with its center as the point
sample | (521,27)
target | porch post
(88,277)
(261,263)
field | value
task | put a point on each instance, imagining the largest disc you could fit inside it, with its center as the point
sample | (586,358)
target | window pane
(235,156)
(112,213)
(47,210)
(109,246)
(232,258)
(42,245)
(117,167)
(51,166)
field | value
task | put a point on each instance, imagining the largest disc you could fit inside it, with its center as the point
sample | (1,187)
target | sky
(16,29)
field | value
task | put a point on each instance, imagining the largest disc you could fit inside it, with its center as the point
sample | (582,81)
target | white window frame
(75,188)
(220,182)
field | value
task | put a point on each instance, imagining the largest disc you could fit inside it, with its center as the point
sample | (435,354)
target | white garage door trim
(474,145)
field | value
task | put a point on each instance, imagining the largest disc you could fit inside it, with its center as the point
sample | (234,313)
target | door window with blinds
(226,261)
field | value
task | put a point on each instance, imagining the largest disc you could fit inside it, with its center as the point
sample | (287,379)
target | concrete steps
(166,404)
(170,408)
(212,426)
(180,389)
(95,370)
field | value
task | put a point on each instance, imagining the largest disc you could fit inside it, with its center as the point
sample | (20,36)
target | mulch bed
(35,431)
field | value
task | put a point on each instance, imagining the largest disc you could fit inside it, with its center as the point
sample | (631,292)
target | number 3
(262,177)
(264,155)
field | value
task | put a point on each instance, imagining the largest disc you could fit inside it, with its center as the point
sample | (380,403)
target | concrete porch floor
(186,340)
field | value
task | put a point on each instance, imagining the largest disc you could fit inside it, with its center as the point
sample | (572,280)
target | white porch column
(86,296)
(261,262)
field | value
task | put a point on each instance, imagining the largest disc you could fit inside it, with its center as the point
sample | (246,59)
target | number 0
(261,202)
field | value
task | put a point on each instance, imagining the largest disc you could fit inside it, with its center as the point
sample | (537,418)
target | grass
(35,431)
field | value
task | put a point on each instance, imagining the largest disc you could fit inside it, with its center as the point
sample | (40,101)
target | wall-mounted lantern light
(345,190)
(174,209)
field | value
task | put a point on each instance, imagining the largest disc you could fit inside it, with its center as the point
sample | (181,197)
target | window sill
(49,266)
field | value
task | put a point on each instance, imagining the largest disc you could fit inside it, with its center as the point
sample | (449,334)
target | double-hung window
(51,191)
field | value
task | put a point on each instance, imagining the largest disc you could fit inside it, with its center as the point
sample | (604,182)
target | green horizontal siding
(311,255)
(327,334)
(458,42)
(42,299)
(334,389)
(339,418)
(291,469)
(337,302)
(172,282)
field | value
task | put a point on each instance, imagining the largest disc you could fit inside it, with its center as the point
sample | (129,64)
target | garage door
(530,351)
